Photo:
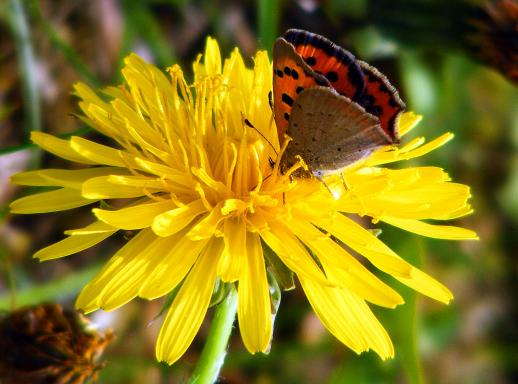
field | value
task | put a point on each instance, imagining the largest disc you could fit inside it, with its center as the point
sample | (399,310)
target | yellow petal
(427,285)
(52,201)
(134,217)
(292,253)
(362,241)
(64,177)
(206,227)
(447,232)
(254,308)
(212,57)
(343,269)
(174,220)
(120,187)
(233,257)
(348,318)
(72,244)
(84,92)
(100,154)
(385,156)
(34,178)
(140,131)
(128,262)
(58,147)
(407,122)
(186,314)
(170,269)
(96,227)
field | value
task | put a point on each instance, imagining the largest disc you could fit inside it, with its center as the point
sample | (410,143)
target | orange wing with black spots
(381,99)
(291,75)
(324,57)
(350,77)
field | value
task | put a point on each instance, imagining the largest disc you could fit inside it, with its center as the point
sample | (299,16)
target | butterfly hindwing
(381,99)
(338,65)
(291,75)
(329,131)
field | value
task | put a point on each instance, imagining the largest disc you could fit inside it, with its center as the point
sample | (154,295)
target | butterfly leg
(346,187)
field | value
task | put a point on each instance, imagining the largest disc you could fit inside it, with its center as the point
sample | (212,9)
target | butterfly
(336,108)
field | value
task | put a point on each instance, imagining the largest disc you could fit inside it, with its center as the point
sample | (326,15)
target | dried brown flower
(47,344)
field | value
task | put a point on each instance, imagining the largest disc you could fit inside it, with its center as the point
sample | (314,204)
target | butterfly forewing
(339,66)
(330,131)
(291,75)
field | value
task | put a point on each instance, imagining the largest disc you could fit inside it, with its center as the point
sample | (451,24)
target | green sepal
(219,293)
(282,274)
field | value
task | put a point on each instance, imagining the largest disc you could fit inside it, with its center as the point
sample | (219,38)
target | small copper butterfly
(336,109)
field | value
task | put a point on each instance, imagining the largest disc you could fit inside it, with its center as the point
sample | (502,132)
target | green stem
(268,22)
(215,349)
(27,67)
(9,276)
(20,30)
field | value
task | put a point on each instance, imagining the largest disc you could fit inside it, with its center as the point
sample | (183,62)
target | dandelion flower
(201,187)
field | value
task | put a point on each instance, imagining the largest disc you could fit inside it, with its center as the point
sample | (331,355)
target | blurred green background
(437,53)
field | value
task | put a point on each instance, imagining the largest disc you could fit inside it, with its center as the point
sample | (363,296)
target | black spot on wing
(355,75)
(366,101)
(383,88)
(311,61)
(376,110)
(286,99)
(332,76)
(393,103)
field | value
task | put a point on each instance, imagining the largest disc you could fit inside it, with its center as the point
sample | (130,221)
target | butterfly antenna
(249,124)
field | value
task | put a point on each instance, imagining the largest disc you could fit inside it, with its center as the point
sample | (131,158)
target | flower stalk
(215,349)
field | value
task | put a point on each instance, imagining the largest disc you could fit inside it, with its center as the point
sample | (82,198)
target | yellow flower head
(194,170)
